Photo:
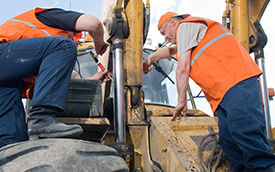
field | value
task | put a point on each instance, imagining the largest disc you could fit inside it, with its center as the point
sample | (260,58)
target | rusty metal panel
(165,110)
(95,129)
(174,144)
(134,43)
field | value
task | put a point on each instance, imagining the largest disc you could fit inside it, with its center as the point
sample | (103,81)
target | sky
(212,9)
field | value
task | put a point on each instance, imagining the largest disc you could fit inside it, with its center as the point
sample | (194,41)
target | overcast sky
(212,9)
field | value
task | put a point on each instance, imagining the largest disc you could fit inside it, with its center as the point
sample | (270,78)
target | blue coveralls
(51,59)
(242,126)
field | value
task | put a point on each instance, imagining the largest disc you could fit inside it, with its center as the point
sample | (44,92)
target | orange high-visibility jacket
(219,61)
(24,26)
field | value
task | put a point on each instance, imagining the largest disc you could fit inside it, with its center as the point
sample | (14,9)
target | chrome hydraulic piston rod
(118,29)
(260,60)
(119,100)
(263,86)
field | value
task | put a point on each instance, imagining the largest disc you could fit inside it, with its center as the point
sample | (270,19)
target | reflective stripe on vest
(32,26)
(209,43)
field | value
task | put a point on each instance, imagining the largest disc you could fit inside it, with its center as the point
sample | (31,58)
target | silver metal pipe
(191,98)
(119,98)
(263,87)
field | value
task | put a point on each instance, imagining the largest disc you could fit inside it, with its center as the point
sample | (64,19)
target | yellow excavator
(126,121)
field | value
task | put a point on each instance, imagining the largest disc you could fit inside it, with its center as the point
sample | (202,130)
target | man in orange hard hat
(36,43)
(209,54)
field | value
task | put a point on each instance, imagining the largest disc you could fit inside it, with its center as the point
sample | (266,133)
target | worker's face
(168,30)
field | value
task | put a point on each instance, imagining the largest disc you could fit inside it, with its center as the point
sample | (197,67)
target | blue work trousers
(51,59)
(242,127)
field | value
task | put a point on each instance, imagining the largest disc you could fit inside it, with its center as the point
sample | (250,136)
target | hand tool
(94,56)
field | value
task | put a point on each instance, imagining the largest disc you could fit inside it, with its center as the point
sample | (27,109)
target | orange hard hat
(169,15)
(166,17)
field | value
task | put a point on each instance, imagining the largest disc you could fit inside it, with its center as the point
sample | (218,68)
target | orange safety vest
(219,61)
(24,26)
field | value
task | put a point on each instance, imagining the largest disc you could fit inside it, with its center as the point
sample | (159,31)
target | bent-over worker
(209,54)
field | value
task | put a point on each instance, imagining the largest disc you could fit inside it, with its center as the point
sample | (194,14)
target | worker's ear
(173,22)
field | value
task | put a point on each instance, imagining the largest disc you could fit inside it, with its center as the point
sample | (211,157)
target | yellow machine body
(160,143)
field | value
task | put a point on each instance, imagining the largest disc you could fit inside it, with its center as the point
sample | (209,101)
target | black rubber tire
(64,155)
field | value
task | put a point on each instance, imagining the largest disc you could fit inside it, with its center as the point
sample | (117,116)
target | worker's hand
(147,66)
(101,48)
(102,76)
(179,110)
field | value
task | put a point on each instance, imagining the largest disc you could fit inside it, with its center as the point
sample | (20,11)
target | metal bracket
(117,27)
